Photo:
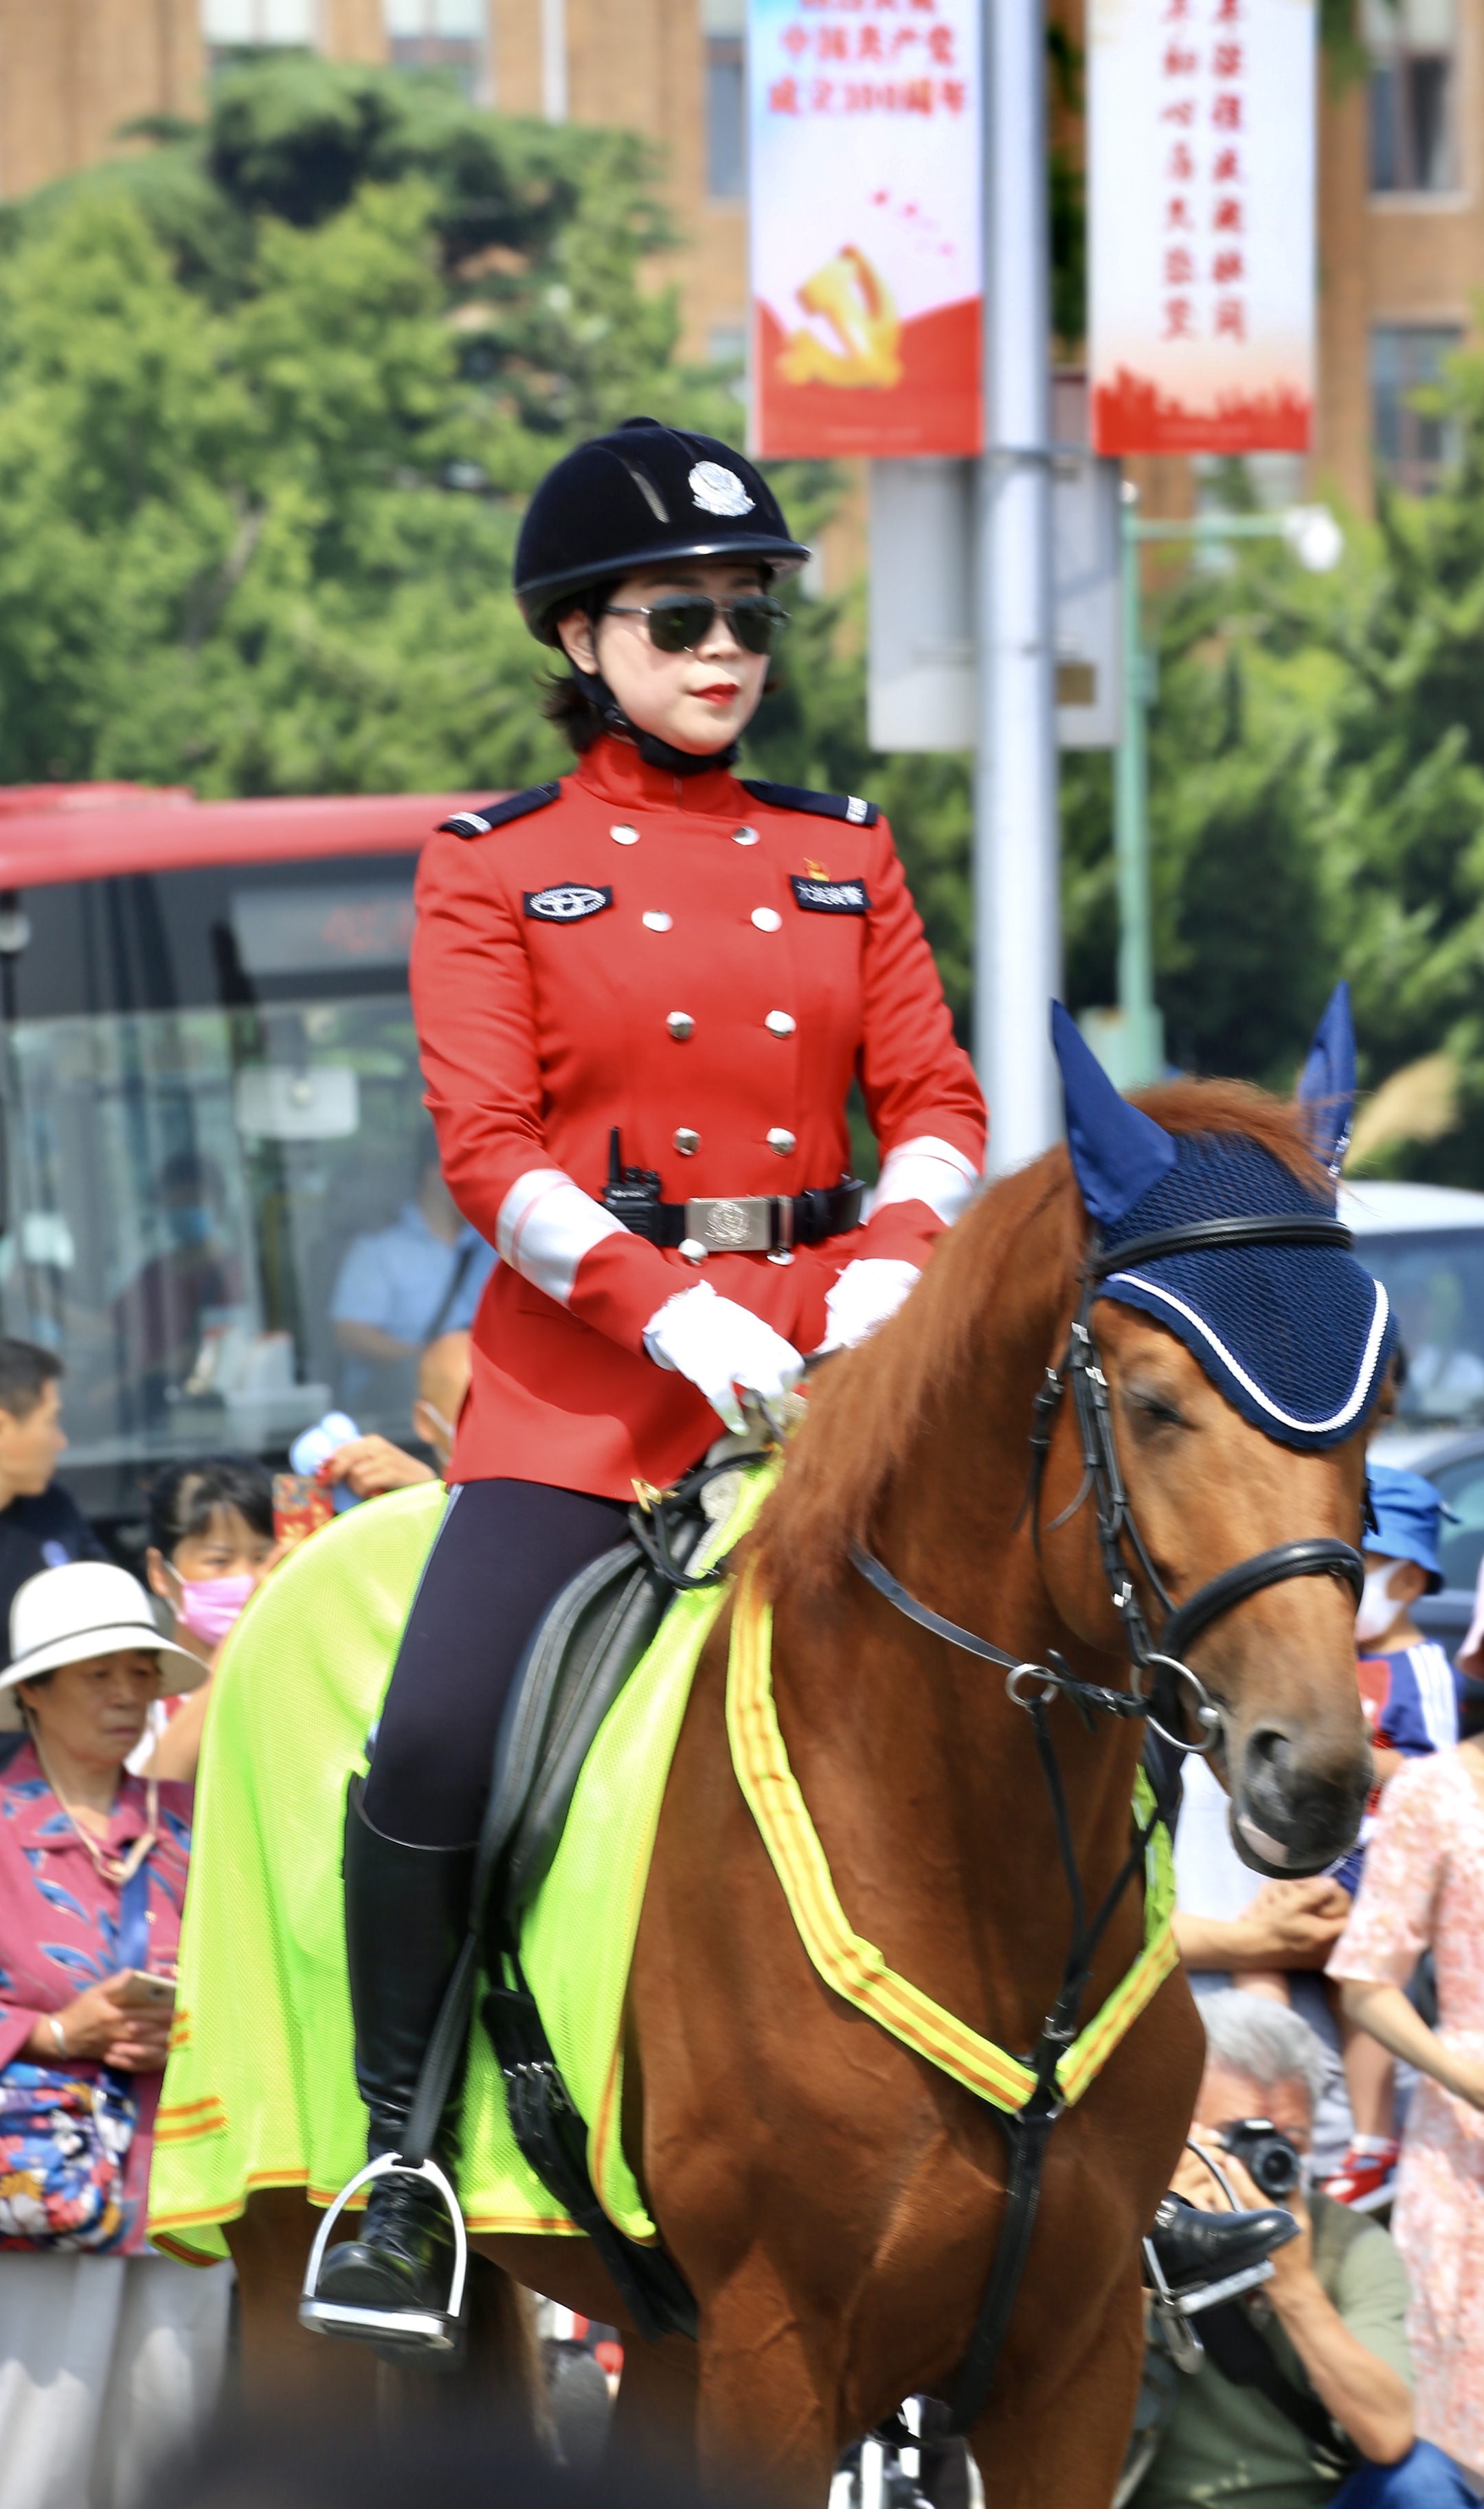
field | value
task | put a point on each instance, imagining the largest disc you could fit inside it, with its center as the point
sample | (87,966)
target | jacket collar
(130,1806)
(618,775)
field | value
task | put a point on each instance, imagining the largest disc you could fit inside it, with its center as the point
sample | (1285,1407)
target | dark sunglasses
(678,621)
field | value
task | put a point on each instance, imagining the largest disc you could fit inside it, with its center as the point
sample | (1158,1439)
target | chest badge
(829,896)
(567,901)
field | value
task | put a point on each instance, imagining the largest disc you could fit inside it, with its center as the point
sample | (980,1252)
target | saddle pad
(260,2089)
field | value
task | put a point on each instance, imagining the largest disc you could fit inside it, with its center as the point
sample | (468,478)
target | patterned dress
(59,1924)
(1423,1884)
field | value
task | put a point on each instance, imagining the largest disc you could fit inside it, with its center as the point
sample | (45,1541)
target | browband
(1209,1236)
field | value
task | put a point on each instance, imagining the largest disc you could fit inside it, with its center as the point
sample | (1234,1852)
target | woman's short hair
(1263,2040)
(185,1498)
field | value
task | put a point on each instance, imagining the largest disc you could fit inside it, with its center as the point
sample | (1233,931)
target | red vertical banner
(865,125)
(1201,225)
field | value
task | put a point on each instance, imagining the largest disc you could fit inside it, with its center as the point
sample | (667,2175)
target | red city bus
(209,1094)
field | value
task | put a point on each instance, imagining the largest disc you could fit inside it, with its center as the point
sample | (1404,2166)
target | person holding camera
(1304,2394)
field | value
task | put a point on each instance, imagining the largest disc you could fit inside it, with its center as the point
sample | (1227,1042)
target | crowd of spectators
(1347,2012)
(112,2355)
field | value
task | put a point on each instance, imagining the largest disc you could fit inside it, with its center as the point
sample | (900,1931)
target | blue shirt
(399,1278)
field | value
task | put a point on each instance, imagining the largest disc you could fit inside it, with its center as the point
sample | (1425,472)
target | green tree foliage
(270,396)
(1394,784)
(1317,771)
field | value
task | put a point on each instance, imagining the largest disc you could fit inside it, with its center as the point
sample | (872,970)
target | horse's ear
(1118,1153)
(1327,1089)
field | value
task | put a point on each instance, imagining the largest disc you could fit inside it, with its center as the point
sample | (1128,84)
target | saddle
(586,1647)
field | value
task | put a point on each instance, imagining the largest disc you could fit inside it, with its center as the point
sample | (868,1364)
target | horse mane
(869,1406)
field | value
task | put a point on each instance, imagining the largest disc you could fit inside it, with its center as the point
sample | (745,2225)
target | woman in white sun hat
(110,2354)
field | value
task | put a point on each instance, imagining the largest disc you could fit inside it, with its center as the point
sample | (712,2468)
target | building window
(240,26)
(1414,448)
(445,35)
(1414,54)
(725,118)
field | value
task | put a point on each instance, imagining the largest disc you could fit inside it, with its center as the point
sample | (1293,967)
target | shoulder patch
(498,814)
(823,805)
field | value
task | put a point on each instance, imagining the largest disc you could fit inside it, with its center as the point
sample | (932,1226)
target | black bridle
(1033,1687)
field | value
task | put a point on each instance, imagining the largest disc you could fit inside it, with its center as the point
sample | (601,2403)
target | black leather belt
(750,1223)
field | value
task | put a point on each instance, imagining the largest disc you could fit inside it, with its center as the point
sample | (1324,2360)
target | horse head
(1239,1381)
(1240,1378)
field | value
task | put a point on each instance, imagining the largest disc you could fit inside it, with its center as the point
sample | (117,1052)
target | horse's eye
(1153,1408)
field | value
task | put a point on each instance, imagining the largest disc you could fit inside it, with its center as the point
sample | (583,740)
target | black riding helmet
(636,498)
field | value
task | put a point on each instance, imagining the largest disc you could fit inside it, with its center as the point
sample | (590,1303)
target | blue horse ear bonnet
(1296,1338)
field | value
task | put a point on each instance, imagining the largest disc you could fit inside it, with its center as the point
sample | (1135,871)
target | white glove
(867,1292)
(723,1349)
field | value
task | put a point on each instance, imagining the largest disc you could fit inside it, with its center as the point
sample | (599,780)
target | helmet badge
(718,490)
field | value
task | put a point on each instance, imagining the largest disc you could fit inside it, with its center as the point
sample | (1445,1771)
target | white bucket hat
(86,1608)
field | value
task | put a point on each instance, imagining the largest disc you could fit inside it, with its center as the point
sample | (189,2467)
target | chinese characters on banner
(1201,225)
(866,135)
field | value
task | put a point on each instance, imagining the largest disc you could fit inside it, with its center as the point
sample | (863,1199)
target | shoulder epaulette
(824,805)
(498,814)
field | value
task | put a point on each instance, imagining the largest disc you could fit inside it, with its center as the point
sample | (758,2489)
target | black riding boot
(406,1914)
(1197,2251)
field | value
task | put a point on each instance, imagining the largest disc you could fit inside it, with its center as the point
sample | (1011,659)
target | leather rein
(1033,1686)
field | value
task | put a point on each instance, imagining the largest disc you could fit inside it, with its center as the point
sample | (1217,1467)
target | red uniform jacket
(550,955)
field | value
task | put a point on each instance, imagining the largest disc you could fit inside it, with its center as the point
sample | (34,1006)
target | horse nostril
(1270,1766)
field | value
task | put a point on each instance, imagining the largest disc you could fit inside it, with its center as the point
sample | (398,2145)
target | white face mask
(1378,1607)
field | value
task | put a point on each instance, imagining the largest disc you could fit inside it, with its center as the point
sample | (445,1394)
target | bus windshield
(222,1206)
(1434,1278)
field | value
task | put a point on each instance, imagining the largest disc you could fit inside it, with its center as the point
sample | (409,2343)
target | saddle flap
(588,1669)
(522,1728)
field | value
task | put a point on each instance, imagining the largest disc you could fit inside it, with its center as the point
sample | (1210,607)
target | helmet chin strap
(651,749)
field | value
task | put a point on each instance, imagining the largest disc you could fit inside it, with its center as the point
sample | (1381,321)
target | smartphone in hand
(142,1992)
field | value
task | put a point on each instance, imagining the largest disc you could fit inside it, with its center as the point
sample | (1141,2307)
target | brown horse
(833,2200)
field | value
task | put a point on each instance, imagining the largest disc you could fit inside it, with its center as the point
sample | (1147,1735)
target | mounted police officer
(642,996)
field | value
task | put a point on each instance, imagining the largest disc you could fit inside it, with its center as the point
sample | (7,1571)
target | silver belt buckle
(732,1224)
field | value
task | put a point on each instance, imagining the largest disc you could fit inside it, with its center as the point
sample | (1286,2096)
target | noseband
(1160,1674)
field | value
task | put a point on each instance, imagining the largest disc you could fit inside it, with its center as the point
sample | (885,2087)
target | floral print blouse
(59,1923)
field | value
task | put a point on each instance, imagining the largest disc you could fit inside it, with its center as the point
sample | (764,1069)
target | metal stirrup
(432,2330)
(1184,2345)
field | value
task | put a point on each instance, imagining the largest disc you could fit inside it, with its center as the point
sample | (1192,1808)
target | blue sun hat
(1296,1338)
(1408,1512)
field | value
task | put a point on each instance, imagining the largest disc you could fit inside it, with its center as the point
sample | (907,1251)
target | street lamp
(1130,1041)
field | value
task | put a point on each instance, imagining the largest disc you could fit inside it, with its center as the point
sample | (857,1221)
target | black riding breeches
(503,1550)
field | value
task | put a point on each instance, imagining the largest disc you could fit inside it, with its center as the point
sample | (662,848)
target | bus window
(222,1206)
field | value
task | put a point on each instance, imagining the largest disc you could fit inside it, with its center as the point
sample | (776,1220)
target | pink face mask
(208,1605)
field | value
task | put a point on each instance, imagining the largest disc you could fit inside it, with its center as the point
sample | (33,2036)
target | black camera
(1269,2159)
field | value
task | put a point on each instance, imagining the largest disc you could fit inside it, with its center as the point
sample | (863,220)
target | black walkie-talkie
(632,1194)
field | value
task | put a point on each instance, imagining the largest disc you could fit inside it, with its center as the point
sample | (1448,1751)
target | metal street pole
(1138,1042)
(1018,940)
